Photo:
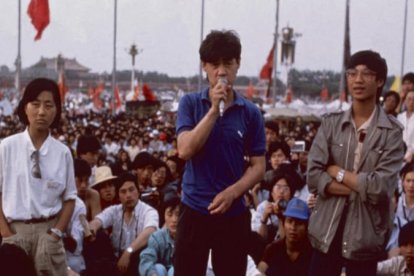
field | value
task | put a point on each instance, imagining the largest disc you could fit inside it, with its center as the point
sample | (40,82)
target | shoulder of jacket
(332,115)
(395,122)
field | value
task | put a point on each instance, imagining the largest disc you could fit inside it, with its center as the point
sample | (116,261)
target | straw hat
(102,174)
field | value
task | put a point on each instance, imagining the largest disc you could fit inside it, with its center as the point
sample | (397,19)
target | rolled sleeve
(185,118)
(70,190)
(151,218)
(106,216)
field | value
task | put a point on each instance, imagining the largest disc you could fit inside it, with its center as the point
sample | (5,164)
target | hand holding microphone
(223,81)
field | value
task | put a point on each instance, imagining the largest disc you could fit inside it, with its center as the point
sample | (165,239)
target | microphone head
(223,80)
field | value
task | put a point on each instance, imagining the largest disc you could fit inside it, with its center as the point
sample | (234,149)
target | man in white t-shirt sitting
(132,223)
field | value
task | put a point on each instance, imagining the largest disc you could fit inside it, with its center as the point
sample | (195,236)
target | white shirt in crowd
(24,196)
(408,132)
(395,266)
(144,216)
(75,260)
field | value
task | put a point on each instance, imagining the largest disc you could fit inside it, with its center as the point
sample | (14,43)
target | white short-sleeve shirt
(24,196)
(144,216)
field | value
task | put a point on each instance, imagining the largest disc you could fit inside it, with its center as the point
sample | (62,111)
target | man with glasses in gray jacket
(353,169)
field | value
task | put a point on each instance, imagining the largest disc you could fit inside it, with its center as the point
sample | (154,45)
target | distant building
(47,67)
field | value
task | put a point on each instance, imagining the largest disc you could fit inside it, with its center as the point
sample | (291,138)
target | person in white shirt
(407,120)
(132,223)
(37,181)
(402,265)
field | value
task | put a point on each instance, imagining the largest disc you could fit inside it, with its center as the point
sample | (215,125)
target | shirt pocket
(336,151)
(52,192)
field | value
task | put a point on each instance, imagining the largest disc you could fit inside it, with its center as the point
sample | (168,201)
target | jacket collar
(380,118)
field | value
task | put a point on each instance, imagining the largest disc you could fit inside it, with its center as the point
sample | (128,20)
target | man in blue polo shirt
(214,138)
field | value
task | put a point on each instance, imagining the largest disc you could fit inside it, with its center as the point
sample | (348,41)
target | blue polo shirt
(220,162)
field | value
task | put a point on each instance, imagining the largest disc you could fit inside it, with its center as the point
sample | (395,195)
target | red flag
(96,96)
(324,94)
(118,102)
(250,90)
(289,95)
(38,11)
(148,94)
(63,89)
(266,72)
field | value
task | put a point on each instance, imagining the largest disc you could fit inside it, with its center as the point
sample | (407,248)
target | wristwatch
(57,232)
(340,176)
(129,250)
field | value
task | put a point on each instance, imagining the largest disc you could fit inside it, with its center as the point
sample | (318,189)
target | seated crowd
(128,202)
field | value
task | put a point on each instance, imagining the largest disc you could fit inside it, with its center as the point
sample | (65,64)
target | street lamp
(133,51)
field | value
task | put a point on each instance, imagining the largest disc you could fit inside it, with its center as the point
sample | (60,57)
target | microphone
(223,81)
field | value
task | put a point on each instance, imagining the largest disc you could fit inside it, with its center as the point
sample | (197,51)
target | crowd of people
(219,192)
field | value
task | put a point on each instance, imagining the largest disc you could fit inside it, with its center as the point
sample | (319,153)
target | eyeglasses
(36,166)
(282,188)
(365,74)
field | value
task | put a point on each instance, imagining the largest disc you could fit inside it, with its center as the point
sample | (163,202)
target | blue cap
(297,208)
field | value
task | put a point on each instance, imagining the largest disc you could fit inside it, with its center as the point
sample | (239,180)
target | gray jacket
(369,216)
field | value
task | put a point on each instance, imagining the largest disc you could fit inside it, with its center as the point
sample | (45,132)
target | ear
(204,64)
(380,83)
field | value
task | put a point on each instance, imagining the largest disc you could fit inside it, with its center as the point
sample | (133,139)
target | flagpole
(346,55)
(275,54)
(200,71)
(18,61)
(404,37)
(114,61)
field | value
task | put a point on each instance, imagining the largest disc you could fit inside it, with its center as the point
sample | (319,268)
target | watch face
(129,249)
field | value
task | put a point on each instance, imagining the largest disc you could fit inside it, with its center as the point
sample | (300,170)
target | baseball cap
(297,208)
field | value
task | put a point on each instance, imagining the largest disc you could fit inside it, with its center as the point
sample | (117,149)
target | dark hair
(374,62)
(273,126)
(394,94)
(87,143)
(82,168)
(282,145)
(408,167)
(143,159)
(220,45)
(162,164)
(32,91)
(124,177)
(408,77)
(287,172)
(406,235)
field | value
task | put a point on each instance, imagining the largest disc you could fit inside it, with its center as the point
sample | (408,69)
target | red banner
(38,11)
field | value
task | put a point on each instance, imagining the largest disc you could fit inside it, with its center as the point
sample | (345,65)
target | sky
(168,32)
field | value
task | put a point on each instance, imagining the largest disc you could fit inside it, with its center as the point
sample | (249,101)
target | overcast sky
(168,31)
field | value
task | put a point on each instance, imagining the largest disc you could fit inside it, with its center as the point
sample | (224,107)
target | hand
(312,201)
(123,262)
(218,93)
(268,210)
(7,233)
(221,202)
(333,170)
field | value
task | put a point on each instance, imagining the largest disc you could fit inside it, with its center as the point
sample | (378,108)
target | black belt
(36,220)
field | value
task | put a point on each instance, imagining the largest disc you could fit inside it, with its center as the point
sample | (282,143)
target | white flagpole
(200,72)
(18,61)
(275,54)
(114,60)
(403,42)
